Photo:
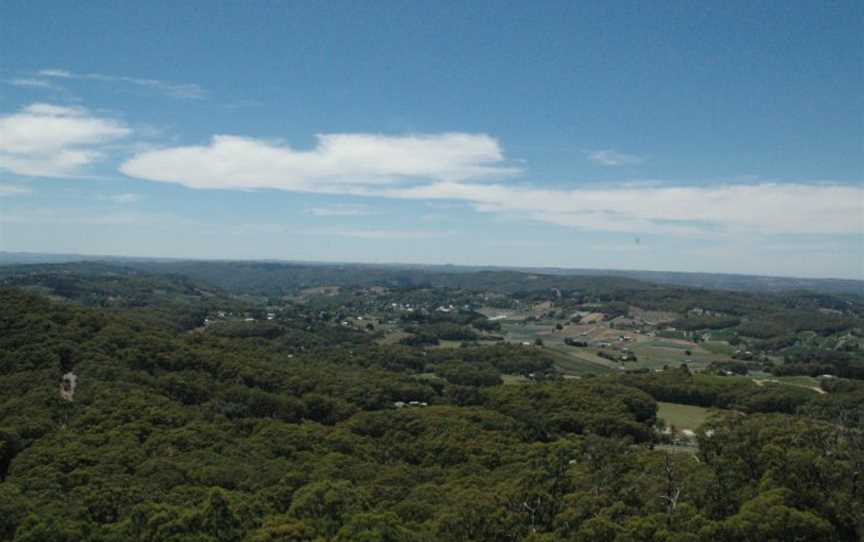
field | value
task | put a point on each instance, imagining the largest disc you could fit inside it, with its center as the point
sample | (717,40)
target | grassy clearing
(514,379)
(392,336)
(807,382)
(682,416)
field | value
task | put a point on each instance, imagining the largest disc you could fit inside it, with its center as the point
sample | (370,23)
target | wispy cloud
(53,140)
(609,157)
(33,83)
(56,73)
(341,209)
(167,88)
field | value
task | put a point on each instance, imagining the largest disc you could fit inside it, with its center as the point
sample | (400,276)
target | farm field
(579,365)
(651,352)
(568,360)
(654,354)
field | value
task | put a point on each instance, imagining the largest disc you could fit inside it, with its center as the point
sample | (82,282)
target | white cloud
(168,88)
(337,163)
(447,168)
(55,73)
(609,157)
(341,209)
(53,140)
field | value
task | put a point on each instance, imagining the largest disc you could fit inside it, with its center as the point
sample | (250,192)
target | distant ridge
(714,281)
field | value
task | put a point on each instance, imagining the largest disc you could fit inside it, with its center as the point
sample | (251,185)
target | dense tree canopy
(296,426)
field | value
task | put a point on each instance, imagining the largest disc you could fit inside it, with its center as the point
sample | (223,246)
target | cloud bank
(52,140)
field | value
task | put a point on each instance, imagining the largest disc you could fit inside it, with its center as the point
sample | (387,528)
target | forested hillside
(115,425)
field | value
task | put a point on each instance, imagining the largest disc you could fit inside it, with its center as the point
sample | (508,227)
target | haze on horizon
(711,138)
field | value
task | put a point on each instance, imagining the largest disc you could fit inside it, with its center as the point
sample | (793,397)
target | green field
(574,362)
(527,332)
(682,416)
(655,354)
(718,347)
(804,381)
(660,343)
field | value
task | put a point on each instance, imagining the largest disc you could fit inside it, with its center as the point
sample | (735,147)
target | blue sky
(684,136)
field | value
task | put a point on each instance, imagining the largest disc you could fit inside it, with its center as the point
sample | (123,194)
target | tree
(218,519)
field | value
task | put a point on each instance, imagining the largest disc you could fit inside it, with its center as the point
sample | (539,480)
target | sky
(683,136)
